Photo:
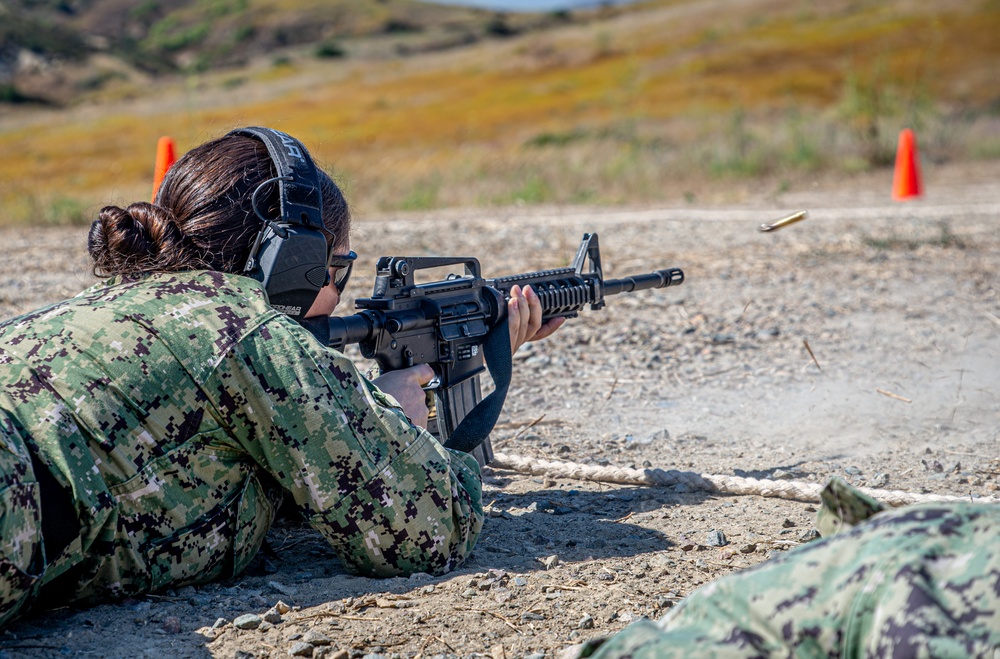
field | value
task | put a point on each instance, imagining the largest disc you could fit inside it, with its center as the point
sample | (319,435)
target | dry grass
(602,113)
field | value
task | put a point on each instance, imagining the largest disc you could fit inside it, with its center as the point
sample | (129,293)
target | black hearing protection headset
(289,254)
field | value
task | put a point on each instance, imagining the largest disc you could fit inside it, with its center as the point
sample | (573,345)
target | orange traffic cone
(164,159)
(906,180)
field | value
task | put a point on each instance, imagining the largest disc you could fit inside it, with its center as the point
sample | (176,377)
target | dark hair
(202,217)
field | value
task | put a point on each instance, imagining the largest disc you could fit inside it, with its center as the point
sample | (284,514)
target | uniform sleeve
(386,495)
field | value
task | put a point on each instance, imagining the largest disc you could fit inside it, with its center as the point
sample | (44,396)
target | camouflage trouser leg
(922,581)
(21,558)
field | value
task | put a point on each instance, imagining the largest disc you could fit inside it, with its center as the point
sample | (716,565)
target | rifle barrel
(657,279)
(339,331)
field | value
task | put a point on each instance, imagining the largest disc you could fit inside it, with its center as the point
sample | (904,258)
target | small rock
(782,475)
(272,616)
(520,582)
(428,589)
(282,608)
(808,536)
(879,480)
(716,539)
(172,625)
(586,622)
(248,621)
(665,601)
(554,508)
(933,465)
(787,524)
(219,623)
(315,638)
(748,549)
(329,653)
(531,615)
(301,649)
(469,593)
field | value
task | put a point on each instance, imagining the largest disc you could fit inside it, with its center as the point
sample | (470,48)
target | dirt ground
(863,343)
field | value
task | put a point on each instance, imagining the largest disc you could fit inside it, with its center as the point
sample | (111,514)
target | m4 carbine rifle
(458,325)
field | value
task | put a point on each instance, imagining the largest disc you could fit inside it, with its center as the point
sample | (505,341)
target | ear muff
(289,253)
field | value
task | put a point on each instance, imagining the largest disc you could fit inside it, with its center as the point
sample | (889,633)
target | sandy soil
(863,343)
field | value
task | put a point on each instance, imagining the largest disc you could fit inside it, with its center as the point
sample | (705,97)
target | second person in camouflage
(150,425)
(917,581)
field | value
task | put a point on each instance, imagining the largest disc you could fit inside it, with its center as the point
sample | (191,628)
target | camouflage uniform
(169,415)
(920,581)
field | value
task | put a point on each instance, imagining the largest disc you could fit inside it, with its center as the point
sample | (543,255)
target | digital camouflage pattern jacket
(177,409)
(918,581)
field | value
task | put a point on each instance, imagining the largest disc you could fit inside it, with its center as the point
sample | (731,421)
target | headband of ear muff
(289,253)
(298,184)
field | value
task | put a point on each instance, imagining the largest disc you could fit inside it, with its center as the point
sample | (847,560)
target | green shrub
(330,49)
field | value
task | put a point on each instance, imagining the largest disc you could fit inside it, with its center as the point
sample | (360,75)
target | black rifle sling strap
(475,428)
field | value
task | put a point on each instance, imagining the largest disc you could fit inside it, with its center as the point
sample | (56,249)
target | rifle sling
(475,428)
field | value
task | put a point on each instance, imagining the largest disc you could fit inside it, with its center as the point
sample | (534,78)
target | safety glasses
(344,264)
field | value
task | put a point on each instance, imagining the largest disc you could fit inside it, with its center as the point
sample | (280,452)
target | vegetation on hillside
(643,105)
(184,36)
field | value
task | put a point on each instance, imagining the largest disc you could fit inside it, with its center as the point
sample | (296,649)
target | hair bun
(131,241)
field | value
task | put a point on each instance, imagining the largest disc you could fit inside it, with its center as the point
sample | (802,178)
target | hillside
(59,52)
(671,100)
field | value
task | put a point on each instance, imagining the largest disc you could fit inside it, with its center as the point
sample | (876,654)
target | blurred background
(419,105)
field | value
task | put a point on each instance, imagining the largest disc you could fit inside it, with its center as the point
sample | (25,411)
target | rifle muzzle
(657,279)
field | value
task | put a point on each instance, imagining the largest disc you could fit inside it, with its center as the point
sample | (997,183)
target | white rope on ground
(794,490)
